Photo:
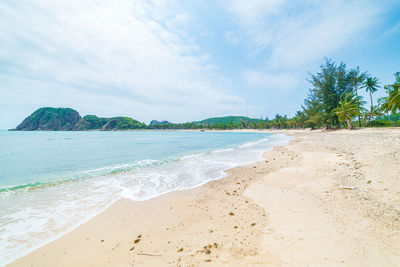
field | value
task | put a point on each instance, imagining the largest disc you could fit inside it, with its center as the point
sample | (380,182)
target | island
(68,119)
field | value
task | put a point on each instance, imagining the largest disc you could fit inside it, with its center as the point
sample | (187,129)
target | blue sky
(184,60)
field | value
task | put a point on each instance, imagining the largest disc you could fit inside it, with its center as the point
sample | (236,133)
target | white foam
(55,210)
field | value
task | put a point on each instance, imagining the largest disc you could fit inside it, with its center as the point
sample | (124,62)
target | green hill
(228,122)
(67,119)
(92,122)
(227,119)
(123,123)
(50,119)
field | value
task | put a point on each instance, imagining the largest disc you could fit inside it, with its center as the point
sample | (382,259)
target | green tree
(357,79)
(374,112)
(314,114)
(299,120)
(327,87)
(371,85)
(392,101)
(348,108)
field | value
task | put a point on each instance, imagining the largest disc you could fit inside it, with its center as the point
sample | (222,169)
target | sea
(52,182)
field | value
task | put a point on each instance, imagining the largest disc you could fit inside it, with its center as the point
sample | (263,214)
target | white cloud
(273,83)
(134,54)
(393,30)
(249,13)
(292,35)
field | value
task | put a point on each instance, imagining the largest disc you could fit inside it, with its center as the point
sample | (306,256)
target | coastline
(279,211)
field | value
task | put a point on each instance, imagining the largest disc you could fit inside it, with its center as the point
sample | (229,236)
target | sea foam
(34,214)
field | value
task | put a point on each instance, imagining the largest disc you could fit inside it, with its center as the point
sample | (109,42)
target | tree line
(334,101)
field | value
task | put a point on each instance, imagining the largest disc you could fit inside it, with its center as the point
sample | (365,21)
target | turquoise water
(33,158)
(50,182)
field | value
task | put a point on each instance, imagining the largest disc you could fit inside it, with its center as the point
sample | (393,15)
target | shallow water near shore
(51,182)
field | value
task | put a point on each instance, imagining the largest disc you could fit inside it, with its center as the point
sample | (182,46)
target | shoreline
(276,138)
(250,130)
(225,221)
(10,188)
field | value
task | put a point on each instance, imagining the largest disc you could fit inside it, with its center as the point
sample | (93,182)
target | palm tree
(371,86)
(375,112)
(392,101)
(348,108)
(383,101)
(357,79)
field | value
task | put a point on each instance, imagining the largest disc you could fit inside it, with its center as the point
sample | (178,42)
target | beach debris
(207,260)
(139,236)
(347,188)
(369,181)
(102,241)
(180,250)
(148,254)
(235,227)
(252,224)
(132,248)
(119,243)
(207,249)
(231,213)
(137,240)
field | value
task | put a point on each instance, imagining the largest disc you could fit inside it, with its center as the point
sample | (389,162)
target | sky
(184,60)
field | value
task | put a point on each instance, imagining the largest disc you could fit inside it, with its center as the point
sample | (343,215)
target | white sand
(326,199)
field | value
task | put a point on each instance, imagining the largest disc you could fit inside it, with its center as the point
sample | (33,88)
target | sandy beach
(328,198)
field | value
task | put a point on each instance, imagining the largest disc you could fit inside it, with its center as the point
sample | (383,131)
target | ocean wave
(118,169)
(87,174)
(70,201)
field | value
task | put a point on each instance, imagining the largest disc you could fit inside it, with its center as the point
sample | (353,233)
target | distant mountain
(67,119)
(90,122)
(50,119)
(123,123)
(155,122)
(227,120)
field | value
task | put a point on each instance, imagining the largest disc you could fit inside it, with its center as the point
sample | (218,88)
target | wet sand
(328,198)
